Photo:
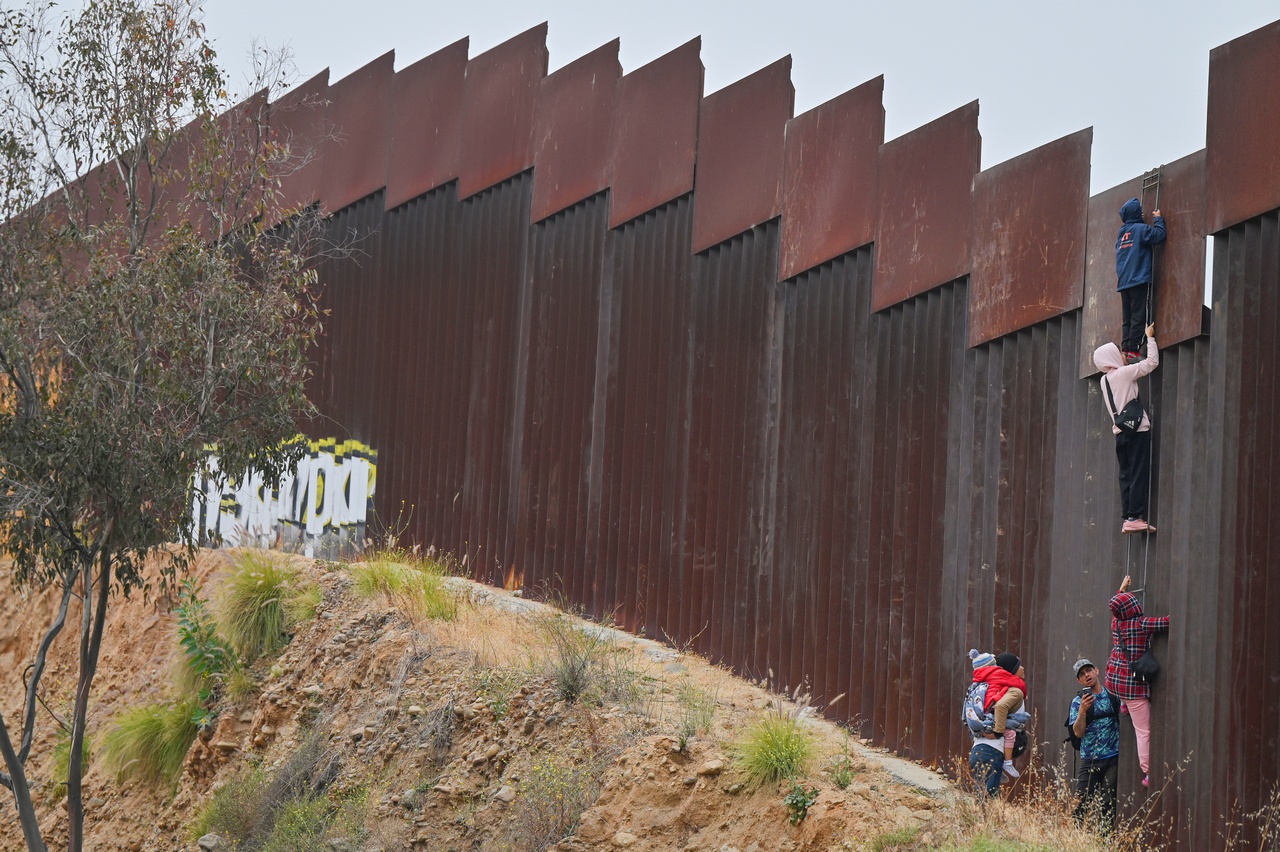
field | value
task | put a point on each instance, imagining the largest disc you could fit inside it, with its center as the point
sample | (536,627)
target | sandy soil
(447,727)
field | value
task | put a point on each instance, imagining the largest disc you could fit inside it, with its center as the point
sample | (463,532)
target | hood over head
(1108,355)
(1125,606)
(1131,211)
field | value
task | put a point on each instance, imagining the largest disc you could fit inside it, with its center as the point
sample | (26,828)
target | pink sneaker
(1124,709)
(1146,780)
(1134,525)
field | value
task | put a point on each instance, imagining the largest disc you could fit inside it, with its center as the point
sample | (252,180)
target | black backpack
(1089,717)
(1019,743)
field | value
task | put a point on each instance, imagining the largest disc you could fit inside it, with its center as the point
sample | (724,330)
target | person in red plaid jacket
(1133,630)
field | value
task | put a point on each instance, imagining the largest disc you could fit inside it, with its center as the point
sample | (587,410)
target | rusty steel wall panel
(1247,327)
(299,121)
(1242,126)
(442,368)
(1179,262)
(572,131)
(639,440)
(500,100)
(1029,218)
(829,178)
(925,215)
(493,237)
(426,124)
(566,270)
(655,133)
(741,130)
(344,386)
(354,162)
(733,584)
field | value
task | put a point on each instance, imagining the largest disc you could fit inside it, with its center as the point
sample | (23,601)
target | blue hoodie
(1133,245)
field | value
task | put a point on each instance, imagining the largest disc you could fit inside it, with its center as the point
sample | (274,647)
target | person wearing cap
(1094,719)
(1005,679)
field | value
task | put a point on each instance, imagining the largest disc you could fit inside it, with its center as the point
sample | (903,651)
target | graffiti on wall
(320,508)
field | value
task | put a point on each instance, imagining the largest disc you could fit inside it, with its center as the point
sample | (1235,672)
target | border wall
(820,404)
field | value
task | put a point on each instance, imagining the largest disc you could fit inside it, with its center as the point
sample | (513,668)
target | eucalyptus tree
(155,299)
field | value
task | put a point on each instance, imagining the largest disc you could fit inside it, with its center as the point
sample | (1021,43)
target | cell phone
(1085,691)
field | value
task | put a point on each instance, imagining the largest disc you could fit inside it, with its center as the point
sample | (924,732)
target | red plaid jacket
(1129,625)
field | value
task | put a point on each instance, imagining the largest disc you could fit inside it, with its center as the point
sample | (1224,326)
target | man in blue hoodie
(1134,243)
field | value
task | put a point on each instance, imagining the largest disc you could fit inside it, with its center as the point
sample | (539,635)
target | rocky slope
(451,735)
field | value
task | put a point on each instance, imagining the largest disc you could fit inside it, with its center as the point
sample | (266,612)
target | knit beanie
(980,659)
(1009,662)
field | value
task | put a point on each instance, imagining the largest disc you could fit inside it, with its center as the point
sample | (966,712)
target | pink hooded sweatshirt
(1123,378)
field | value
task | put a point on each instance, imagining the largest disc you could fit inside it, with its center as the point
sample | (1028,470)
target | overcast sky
(1136,72)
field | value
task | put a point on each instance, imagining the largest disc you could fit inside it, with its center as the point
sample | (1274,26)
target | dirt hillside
(452,735)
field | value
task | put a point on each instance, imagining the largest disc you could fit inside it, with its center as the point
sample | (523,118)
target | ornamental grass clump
(261,601)
(775,746)
(150,742)
(416,586)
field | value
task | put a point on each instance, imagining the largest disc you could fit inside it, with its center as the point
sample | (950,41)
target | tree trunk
(91,628)
(21,793)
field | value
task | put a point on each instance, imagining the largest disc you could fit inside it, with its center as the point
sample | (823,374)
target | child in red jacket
(1006,694)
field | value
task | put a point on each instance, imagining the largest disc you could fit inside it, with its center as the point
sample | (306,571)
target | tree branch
(16,781)
(33,687)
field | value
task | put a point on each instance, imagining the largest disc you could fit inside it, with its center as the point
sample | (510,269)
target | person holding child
(1005,709)
(991,755)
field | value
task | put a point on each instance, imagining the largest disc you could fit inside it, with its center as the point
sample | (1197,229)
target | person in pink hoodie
(1133,449)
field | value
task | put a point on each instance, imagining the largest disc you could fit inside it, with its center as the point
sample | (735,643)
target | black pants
(1133,452)
(1133,300)
(1096,787)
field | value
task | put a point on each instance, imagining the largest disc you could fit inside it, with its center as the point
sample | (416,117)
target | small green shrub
(259,603)
(300,825)
(61,758)
(285,810)
(900,838)
(304,605)
(697,708)
(585,661)
(984,843)
(417,586)
(150,742)
(497,687)
(842,770)
(842,773)
(798,802)
(206,656)
(552,796)
(774,747)
(240,685)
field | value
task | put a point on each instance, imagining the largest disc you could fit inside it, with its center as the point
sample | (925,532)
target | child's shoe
(1134,525)
(1011,770)
(1124,709)
(1146,780)
(1132,357)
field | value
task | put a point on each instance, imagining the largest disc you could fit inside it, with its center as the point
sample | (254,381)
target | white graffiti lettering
(319,508)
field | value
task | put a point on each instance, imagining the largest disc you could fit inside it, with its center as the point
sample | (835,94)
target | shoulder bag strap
(1111,400)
